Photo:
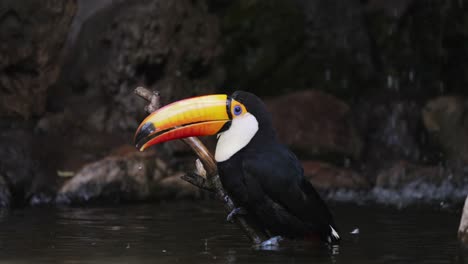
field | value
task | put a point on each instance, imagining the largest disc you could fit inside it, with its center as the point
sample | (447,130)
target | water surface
(195,232)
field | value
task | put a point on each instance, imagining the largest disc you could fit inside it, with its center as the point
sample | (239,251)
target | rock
(171,46)
(406,183)
(446,120)
(130,176)
(314,124)
(5,193)
(403,173)
(24,170)
(33,35)
(463,228)
(326,177)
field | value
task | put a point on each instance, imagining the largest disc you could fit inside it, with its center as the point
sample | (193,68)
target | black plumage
(267,180)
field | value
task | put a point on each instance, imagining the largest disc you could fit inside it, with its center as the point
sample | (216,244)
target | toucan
(262,176)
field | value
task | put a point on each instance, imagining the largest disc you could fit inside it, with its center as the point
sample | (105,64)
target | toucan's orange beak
(198,116)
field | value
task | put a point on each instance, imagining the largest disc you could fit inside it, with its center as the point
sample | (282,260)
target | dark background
(369,94)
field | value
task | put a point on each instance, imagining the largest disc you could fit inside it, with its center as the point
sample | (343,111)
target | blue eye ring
(237,110)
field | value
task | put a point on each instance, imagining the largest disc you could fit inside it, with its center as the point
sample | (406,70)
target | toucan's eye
(237,110)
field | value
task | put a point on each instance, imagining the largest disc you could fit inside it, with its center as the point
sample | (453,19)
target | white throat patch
(242,130)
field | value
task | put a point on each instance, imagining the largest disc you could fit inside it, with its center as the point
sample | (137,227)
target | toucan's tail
(333,237)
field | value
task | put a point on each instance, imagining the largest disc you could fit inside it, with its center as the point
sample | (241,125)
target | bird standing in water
(262,176)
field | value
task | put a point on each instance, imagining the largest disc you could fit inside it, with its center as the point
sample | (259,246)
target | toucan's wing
(280,175)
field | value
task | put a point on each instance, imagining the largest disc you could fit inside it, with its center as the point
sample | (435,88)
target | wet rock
(463,228)
(33,34)
(403,173)
(406,183)
(130,176)
(446,119)
(327,177)
(314,124)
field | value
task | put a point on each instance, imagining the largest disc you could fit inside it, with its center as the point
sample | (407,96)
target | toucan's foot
(271,244)
(234,212)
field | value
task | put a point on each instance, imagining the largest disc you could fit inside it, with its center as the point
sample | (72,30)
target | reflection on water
(196,233)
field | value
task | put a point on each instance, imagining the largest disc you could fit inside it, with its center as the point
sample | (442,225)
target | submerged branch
(211,182)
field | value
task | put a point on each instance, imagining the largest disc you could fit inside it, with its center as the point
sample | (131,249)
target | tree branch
(211,182)
(198,181)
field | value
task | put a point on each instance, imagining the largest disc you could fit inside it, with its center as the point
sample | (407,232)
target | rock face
(84,106)
(314,123)
(33,34)
(23,168)
(169,45)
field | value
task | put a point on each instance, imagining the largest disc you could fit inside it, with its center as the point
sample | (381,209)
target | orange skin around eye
(234,103)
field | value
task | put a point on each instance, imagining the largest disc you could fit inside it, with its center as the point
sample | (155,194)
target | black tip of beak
(142,134)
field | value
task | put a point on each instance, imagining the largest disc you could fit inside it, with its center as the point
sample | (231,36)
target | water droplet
(344,83)
(347,162)
(140,167)
(411,76)
(441,87)
(397,85)
(327,74)
(389,81)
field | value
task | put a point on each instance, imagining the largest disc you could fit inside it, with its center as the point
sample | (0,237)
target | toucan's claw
(234,212)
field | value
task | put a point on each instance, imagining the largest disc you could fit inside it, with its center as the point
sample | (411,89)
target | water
(195,232)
